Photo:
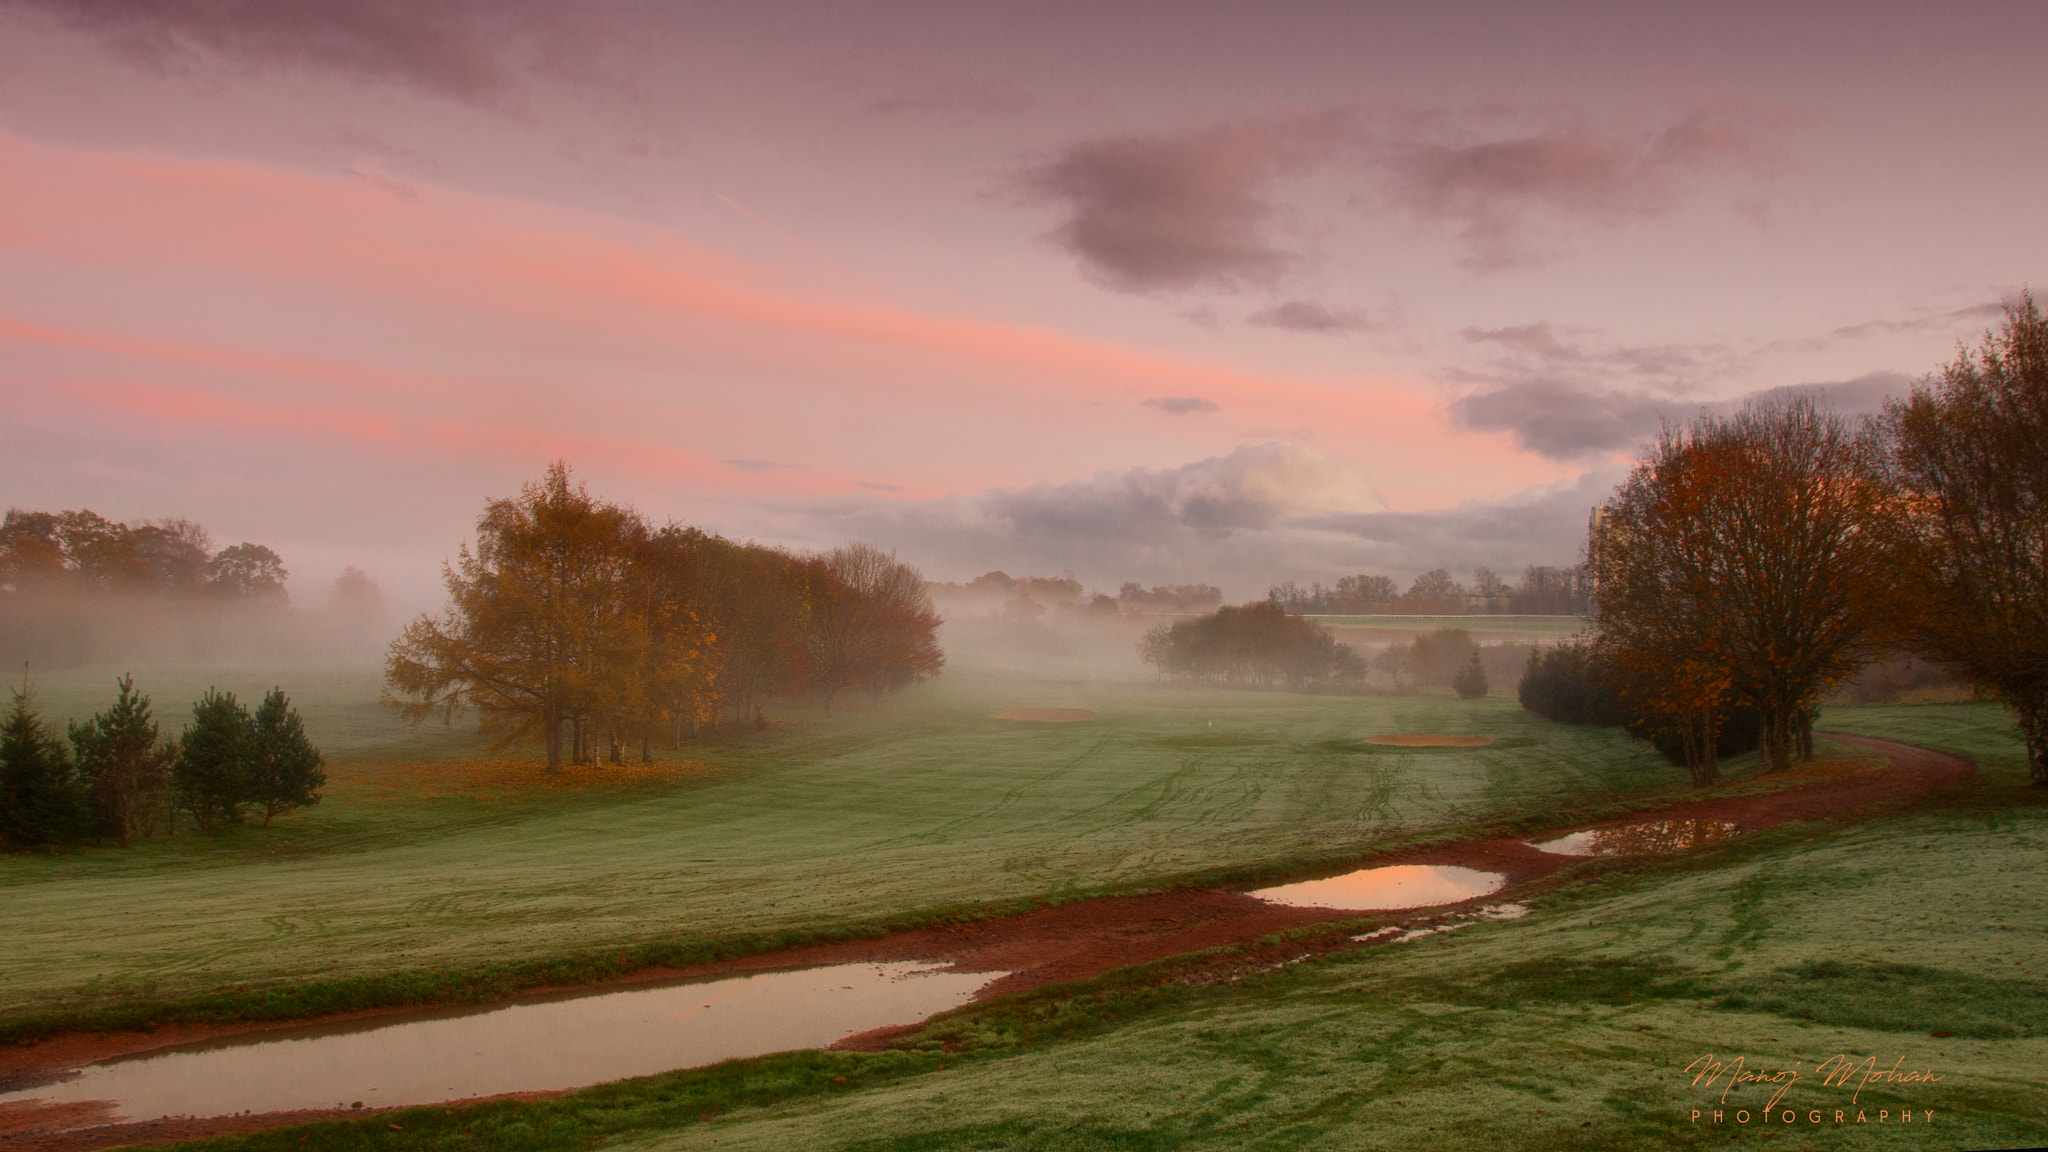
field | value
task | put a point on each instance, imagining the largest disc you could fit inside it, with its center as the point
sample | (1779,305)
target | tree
(248,572)
(1257,644)
(1969,450)
(1488,583)
(875,625)
(175,551)
(42,800)
(211,776)
(1749,558)
(285,770)
(1470,681)
(125,770)
(1434,585)
(1369,588)
(543,631)
(30,551)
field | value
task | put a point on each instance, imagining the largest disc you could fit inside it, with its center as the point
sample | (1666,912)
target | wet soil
(1046,946)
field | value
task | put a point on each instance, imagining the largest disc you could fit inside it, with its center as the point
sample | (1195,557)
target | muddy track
(1042,947)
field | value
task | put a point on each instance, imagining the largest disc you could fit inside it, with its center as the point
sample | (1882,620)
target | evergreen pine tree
(41,798)
(285,767)
(211,774)
(126,773)
(1470,681)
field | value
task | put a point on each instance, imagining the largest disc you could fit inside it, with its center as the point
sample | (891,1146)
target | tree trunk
(554,740)
(1710,750)
(2031,714)
(1777,739)
(1805,726)
(646,750)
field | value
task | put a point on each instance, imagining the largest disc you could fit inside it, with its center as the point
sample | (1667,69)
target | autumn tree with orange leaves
(1970,454)
(575,624)
(1747,559)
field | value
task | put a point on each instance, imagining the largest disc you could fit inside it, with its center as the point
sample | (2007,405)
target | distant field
(1485,629)
(422,855)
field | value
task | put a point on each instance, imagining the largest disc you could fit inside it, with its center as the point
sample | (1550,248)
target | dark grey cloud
(1246,521)
(455,49)
(1865,395)
(1562,421)
(1495,191)
(1543,527)
(1226,518)
(1566,422)
(1309,316)
(1194,209)
(1182,405)
(1169,212)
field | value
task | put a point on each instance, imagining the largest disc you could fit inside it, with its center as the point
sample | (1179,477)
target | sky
(1166,292)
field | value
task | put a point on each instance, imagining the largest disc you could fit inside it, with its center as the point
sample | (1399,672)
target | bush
(1561,684)
(1470,681)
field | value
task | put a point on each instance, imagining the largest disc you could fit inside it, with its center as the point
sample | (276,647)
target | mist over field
(939,577)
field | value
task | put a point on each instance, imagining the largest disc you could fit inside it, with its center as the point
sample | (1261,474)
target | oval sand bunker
(1046,715)
(1429,740)
(1394,886)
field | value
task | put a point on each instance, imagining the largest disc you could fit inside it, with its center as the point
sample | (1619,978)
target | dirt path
(1047,946)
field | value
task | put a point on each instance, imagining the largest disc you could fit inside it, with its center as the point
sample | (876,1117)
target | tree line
(77,588)
(1752,562)
(116,779)
(576,623)
(1543,590)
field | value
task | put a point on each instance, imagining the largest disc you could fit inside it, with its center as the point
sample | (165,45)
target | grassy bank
(1569,1028)
(434,857)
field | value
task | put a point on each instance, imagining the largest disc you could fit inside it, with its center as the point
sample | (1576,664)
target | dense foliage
(575,623)
(1970,456)
(1253,645)
(119,781)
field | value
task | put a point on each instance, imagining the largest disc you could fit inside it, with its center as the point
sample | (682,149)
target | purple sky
(1161,292)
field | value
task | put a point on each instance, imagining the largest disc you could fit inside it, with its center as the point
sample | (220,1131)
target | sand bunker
(1046,715)
(1425,740)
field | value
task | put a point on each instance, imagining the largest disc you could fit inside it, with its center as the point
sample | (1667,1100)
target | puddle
(1640,839)
(562,1043)
(1395,886)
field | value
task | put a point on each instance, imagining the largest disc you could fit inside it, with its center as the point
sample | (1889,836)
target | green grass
(925,807)
(1570,1028)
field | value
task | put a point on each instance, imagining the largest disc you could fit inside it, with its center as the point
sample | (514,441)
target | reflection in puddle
(1640,839)
(1395,886)
(564,1043)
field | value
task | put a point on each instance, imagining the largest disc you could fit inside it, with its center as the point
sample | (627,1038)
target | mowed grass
(1573,1027)
(432,854)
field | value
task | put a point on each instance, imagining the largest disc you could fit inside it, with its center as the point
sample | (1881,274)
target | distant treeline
(1027,595)
(576,623)
(77,588)
(115,779)
(1543,591)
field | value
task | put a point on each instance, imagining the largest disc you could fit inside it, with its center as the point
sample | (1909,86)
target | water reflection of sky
(564,1043)
(1640,839)
(1394,886)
